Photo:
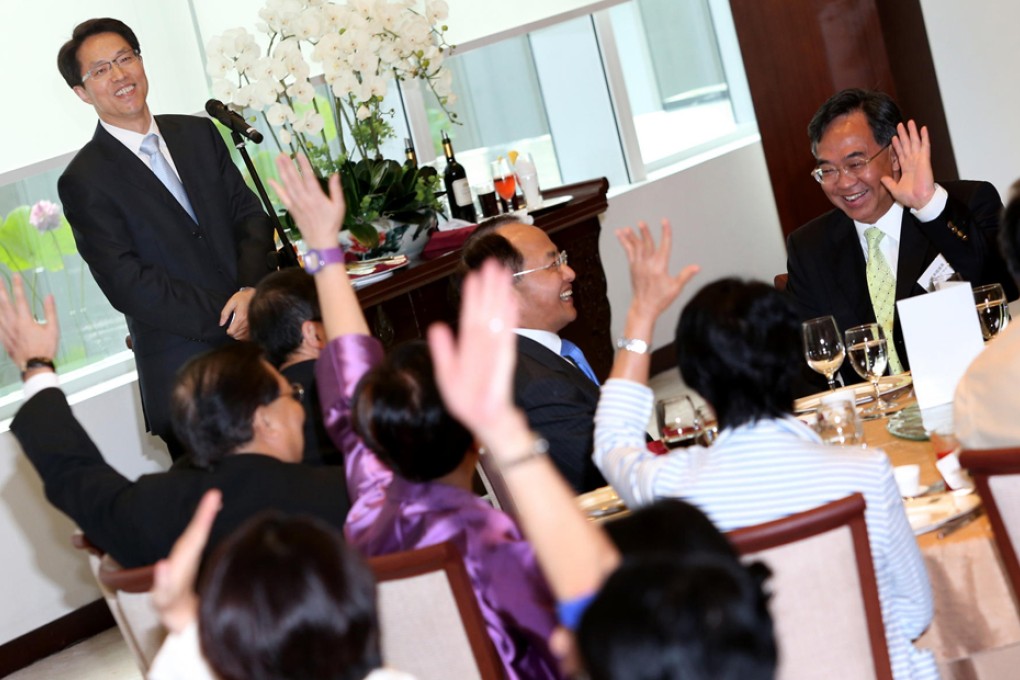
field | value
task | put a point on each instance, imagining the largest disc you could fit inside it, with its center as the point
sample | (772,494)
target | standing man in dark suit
(162,217)
(241,420)
(895,232)
(553,382)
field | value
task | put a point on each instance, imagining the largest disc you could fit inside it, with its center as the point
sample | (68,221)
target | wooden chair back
(429,619)
(996,475)
(825,605)
(126,592)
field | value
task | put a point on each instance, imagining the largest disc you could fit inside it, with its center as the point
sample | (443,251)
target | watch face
(313,262)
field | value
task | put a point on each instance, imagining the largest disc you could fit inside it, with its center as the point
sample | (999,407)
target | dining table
(974,606)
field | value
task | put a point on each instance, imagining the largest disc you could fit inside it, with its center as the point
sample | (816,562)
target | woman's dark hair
(400,415)
(285,597)
(669,526)
(283,301)
(738,345)
(213,404)
(700,617)
(67,57)
(881,111)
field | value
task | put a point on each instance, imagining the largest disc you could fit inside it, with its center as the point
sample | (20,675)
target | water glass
(869,355)
(992,311)
(682,423)
(837,420)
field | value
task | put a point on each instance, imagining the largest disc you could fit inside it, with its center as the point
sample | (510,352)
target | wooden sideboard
(402,307)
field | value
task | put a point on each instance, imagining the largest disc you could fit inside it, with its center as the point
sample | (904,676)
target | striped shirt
(766,470)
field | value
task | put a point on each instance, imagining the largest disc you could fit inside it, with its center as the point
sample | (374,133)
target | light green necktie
(882,286)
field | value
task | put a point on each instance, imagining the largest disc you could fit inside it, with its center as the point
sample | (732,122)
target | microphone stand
(285,256)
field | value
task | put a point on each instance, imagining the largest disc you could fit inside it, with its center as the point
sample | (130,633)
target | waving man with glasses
(894,232)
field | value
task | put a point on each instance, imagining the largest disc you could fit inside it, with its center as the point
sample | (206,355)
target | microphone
(232,120)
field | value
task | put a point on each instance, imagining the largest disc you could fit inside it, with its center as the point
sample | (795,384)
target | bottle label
(462,192)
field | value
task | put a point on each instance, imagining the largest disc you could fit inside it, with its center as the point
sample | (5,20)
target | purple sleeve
(339,368)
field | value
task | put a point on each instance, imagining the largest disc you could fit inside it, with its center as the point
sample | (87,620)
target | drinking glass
(990,301)
(837,420)
(503,179)
(823,347)
(527,179)
(680,422)
(869,355)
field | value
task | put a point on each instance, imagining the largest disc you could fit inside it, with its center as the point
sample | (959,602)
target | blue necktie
(161,168)
(574,353)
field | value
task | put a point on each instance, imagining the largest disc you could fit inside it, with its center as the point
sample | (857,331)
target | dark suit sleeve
(799,285)
(251,226)
(77,480)
(966,233)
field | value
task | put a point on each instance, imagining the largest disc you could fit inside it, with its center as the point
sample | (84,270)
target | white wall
(41,576)
(723,217)
(976,55)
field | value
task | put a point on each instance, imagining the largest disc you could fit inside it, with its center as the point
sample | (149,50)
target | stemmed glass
(823,347)
(504,180)
(869,355)
(991,306)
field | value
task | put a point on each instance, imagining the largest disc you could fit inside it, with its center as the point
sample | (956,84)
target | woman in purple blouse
(409,463)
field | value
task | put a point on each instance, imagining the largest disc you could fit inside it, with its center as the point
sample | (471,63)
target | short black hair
(699,617)
(400,415)
(215,396)
(283,301)
(285,597)
(738,344)
(1009,232)
(669,526)
(881,111)
(67,57)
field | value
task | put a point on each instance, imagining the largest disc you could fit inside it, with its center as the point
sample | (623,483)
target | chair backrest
(996,474)
(780,281)
(430,623)
(495,486)
(825,606)
(126,592)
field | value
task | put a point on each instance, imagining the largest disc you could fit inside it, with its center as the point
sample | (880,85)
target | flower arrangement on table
(359,47)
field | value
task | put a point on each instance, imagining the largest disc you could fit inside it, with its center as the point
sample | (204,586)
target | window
(36,243)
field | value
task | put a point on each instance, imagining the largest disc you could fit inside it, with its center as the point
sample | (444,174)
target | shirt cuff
(935,206)
(39,382)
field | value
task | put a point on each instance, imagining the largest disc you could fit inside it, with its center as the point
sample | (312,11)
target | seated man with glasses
(895,232)
(553,384)
(239,417)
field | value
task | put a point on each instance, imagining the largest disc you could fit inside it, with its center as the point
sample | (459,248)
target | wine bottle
(458,191)
(412,157)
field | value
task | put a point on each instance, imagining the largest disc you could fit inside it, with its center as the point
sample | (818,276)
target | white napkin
(943,336)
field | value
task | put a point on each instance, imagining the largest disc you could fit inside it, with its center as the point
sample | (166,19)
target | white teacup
(908,479)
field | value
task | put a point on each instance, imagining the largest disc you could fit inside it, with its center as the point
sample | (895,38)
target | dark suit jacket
(138,522)
(319,447)
(560,402)
(827,267)
(169,276)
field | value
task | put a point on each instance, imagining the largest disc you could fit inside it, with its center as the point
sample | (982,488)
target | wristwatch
(632,345)
(317,259)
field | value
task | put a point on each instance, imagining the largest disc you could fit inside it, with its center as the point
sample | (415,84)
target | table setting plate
(600,502)
(930,512)
(888,386)
(366,272)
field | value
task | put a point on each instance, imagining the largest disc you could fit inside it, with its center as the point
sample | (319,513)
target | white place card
(943,336)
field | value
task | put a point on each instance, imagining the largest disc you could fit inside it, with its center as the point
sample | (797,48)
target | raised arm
(654,290)
(319,218)
(475,376)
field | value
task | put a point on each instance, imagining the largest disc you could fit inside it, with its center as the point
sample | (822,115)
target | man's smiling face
(861,197)
(119,96)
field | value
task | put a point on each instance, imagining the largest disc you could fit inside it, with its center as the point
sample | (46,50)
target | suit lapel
(915,253)
(190,167)
(556,363)
(849,267)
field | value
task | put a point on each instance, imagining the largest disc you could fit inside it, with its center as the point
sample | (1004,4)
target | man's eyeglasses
(297,393)
(101,70)
(827,174)
(560,261)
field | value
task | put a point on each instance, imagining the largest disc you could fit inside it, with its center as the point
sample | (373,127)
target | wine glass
(990,301)
(869,355)
(504,180)
(823,347)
